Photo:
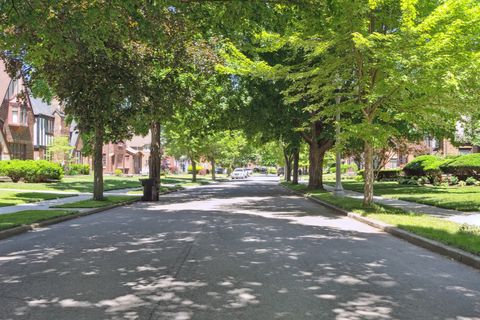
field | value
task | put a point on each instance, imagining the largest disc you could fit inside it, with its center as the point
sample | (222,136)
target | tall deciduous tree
(83,51)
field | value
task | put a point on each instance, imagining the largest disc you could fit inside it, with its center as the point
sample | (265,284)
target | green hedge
(31,170)
(385,174)
(344,168)
(464,166)
(389,174)
(427,165)
(76,169)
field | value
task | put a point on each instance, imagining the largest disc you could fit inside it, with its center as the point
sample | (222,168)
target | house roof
(139,141)
(41,107)
(132,151)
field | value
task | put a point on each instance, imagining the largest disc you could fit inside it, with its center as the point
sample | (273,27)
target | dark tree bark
(213,169)
(194,170)
(155,161)
(98,164)
(288,165)
(296,158)
(317,149)
(369,175)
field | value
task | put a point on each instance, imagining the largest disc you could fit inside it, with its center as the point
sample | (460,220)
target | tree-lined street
(240,250)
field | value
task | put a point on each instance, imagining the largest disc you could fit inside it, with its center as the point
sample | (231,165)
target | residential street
(237,250)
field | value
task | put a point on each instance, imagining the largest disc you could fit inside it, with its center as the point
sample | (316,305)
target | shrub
(471,181)
(389,174)
(118,172)
(427,165)
(189,169)
(344,168)
(462,183)
(272,170)
(452,180)
(464,166)
(385,174)
(31,170)
(423,180)
(76,169)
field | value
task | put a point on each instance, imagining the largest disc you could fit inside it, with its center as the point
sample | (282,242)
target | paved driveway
(242,250)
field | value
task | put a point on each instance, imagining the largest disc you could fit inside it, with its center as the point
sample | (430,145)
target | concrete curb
(24,228)
(432,245)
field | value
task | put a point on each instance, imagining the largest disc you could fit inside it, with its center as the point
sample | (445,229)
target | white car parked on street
(239,173)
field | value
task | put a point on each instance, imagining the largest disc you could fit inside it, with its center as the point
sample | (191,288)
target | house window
(15,115)
(23,115)
(18,151)
(49,126)
(104,160)
(19,115)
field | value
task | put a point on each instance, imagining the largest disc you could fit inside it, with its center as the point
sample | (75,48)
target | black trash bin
(148,185)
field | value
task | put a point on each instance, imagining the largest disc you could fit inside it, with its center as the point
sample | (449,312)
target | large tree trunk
(98,164)
(315,172)
(213,169)
(194,170)
(369,176)
(155,161)
(288,165)
(296,156)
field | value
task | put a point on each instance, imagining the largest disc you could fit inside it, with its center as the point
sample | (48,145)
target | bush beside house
(463,167)
(31,170)
(77,169)
(424,166)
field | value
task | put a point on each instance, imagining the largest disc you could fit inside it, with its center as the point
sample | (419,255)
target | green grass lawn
(162,189)
(457,198)
(96,203)
(76,184)
(11,220)
(85,183)
(441,230)
(11,198)
(186,180)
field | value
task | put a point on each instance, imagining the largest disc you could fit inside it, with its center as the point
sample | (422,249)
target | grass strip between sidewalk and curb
(457,241)
(12,198)
(28,217)
(56,218)
(48,217)
(163,190)
(90,203)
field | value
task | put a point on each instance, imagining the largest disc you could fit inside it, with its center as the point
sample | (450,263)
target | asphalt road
(240,250)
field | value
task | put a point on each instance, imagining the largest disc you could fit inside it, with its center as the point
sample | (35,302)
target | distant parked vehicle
(280,171)
(249,172)
(219,170)
(239,173)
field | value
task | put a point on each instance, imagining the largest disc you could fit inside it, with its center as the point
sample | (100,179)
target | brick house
(49,123)
(27,124)
(119,156)
(16,119)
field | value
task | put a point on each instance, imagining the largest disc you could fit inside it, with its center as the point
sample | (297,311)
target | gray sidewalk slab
(47,204)
(42,205)
(472,218)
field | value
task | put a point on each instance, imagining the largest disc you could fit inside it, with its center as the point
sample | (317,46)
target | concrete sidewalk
(47,204)
(472,218)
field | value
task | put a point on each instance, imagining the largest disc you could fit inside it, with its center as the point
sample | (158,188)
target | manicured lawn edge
(91,204)
(21,229)
(432,245)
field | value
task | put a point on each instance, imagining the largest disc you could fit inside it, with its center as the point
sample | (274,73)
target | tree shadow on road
(200,264)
